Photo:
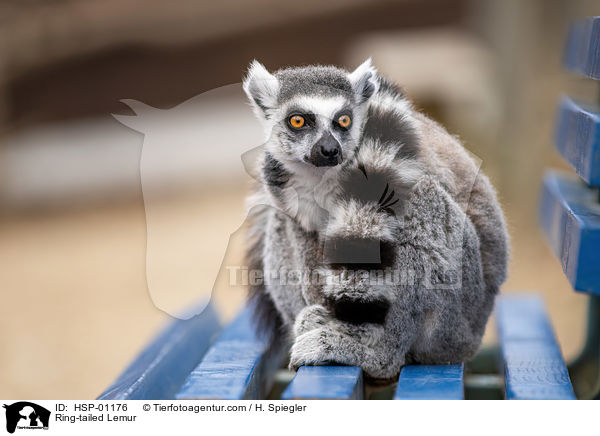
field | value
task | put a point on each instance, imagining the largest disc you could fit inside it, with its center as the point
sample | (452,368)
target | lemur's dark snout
(326,152)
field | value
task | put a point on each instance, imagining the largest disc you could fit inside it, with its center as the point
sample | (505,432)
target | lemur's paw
(310,318)
(317,347)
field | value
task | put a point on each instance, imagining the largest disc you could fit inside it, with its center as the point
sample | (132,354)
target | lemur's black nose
(326,152)
(329,152)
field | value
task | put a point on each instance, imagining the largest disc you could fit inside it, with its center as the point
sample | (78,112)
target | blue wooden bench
(570,203)
(197,359)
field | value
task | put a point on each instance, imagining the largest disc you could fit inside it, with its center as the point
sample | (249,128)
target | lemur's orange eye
(297,121)
(344,121)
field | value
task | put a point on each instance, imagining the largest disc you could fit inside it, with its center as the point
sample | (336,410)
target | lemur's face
(311,115)
(318,130)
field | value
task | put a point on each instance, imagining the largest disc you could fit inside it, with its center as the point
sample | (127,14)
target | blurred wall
(69,59)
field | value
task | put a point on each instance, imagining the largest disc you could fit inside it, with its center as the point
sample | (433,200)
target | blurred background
(75,306)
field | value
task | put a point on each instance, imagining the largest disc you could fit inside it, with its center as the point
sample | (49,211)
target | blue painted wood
(582,51)
(570,216)
(578,138)
(161,368)
(534,368)
(326,383)
(236,367)
(431,382)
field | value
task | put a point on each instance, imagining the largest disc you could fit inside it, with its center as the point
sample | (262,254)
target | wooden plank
(534,368)
(326,383)
(431,382)
(237,366)
(160,369)
(570,216)
(578,138)
(582,50)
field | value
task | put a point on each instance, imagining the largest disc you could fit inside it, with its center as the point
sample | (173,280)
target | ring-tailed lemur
(383,244)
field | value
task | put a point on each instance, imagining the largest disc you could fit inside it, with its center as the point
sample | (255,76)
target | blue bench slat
(235,367)
(582,51)
(431,382)
(326,383)
(161,368)
(570,217)
(533,364)
(578,138)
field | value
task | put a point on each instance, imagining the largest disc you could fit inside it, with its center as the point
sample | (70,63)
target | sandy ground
(75,304)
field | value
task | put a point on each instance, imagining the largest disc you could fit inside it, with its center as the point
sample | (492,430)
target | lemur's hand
(342,343)
(310,318)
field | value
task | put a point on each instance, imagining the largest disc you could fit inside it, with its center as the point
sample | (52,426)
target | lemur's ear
(261,87)
(364,81)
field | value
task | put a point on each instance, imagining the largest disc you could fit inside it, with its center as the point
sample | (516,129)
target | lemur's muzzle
(326,152)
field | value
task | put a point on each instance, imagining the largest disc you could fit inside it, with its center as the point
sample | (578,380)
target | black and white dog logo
(26,415)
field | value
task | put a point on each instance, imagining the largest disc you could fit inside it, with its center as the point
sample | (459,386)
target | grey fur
(397,253)
(312,80)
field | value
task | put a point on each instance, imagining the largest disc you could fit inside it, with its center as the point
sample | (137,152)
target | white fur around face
(323,107)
